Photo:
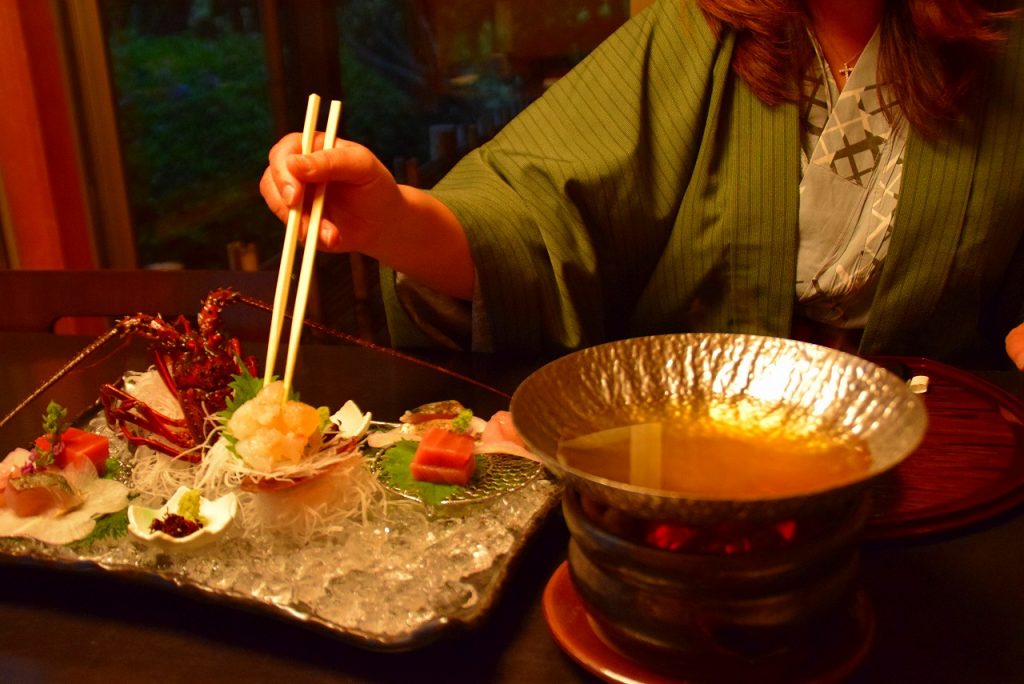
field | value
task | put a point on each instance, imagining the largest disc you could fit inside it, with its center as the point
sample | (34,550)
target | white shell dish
(218,513)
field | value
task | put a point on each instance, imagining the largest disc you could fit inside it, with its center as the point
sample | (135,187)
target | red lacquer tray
(968,468)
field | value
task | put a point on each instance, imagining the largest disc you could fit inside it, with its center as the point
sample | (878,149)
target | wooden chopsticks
(308,254)
(291,238)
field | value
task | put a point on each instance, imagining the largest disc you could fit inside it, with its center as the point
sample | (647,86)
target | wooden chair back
(54,301)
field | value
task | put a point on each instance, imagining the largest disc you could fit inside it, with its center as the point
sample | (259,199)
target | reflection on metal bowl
(749,382)
(697,583)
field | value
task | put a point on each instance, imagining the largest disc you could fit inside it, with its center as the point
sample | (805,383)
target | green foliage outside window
(195,128)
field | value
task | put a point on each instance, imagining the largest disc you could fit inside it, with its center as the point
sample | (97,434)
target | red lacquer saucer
(575,632)
(968,468)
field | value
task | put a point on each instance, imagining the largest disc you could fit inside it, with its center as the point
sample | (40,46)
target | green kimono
(650,191)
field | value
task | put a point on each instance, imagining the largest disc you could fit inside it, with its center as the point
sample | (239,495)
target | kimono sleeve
(568,208)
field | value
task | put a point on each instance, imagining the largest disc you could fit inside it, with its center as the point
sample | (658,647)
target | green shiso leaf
(244,387)
(395,463)
(110,526)
(113,468)
(232,441)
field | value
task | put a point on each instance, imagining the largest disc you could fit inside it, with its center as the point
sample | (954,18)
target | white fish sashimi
(415,431)
(380,440)
(505,448)
(496,436)
(12,464)
(100,497)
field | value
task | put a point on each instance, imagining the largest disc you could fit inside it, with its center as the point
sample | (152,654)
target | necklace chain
(847,69)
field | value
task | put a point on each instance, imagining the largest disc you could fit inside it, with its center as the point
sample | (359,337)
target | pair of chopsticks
(291,238)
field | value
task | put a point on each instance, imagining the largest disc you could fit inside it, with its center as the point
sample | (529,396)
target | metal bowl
(732,377)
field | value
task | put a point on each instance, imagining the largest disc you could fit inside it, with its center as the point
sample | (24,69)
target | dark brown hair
(933,52)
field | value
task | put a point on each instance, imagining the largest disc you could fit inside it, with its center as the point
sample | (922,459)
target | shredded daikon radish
(319,506)
(156,476)
(322,481)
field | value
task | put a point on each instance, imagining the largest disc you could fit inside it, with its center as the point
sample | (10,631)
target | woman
(723,165)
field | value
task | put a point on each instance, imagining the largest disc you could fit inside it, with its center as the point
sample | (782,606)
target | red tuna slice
(444,457)
(79,444)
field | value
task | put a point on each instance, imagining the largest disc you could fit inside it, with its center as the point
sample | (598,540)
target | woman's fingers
(329,238)
(288,187)
(346,162)
(271,195)
(361,192)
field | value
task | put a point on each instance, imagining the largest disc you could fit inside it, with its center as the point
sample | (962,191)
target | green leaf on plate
(395,464)
(111,525)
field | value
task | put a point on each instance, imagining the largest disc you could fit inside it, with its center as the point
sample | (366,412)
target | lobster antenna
(291,238)
(308,255)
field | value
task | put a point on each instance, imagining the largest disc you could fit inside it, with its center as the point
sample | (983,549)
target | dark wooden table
(950,608)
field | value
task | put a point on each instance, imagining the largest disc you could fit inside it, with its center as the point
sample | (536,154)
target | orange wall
(38,163)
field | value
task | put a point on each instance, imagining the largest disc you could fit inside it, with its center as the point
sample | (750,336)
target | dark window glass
(204,87)
(195,125)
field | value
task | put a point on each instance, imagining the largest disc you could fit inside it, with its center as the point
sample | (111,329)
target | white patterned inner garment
(852,161)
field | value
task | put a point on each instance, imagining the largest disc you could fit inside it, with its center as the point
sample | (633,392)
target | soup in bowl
(696,427)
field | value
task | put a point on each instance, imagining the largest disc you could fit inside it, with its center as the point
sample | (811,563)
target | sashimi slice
(500,429)
(500,448)
(36,493)
(12,466)
(443,475)
(79,444)
(437,410)
(100,497)
(500,437)
(444,457)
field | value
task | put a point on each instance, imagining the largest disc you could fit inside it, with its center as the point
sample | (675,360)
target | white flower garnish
(351,422)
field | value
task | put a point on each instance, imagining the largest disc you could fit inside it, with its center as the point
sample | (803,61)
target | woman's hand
(366,211)
(1015,345)
(361,195)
